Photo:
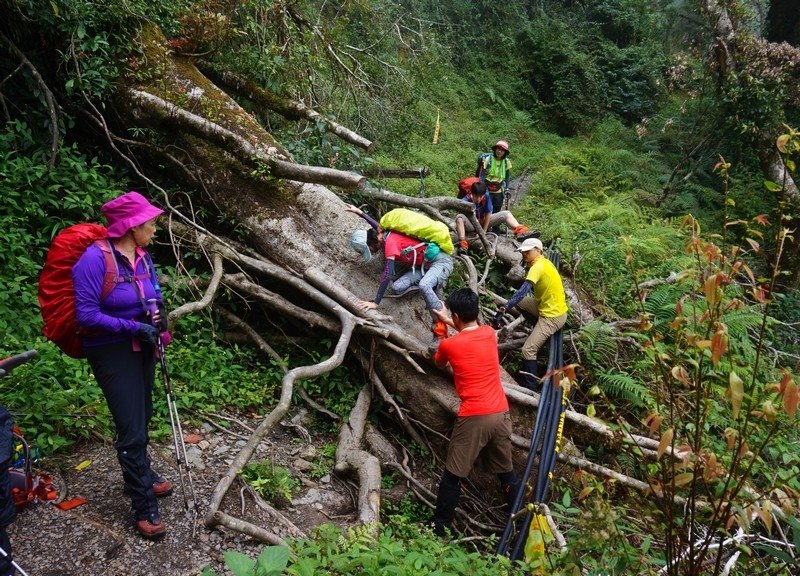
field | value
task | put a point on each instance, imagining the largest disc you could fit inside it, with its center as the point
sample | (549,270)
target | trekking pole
(175,421)
(13,563)
(8,364)
(177,431)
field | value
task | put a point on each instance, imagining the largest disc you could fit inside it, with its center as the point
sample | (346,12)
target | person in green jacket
(494,170)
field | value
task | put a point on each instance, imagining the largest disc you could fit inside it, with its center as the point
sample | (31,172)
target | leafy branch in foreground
(720,407)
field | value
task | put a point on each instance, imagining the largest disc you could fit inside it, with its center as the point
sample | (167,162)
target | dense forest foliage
(647,135)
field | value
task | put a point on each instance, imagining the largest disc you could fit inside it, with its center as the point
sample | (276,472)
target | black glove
(147,334)
(498,320)
(164,324)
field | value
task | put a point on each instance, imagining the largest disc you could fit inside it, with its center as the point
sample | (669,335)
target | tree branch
(290,109)
(48,96)
(164,111)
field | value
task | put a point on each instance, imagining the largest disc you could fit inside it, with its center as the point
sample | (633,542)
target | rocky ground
(98,538)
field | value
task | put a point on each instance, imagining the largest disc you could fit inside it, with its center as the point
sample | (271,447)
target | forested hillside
(654,148)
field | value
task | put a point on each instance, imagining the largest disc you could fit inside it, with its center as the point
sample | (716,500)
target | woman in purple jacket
(119,338)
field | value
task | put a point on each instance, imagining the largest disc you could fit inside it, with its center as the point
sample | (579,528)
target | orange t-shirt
(476,369)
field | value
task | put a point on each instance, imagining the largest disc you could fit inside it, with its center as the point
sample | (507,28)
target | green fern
(596,342)
(625,387)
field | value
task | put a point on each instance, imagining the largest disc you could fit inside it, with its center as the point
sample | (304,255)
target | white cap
(358,240)
(530,244)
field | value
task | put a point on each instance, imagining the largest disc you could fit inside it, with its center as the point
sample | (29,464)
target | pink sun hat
(126,211)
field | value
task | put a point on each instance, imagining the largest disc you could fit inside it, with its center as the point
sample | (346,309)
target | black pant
(497,201)
(7,512)
(126,378)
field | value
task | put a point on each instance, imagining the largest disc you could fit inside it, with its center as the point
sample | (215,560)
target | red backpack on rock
(56,292)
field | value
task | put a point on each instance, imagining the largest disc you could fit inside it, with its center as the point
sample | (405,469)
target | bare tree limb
(158,108)
(350,456)
(48,96)
(290,109)
(214,517)
(207,298)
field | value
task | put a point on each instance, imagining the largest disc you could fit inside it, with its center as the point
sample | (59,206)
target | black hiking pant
(126,378)
(7,512)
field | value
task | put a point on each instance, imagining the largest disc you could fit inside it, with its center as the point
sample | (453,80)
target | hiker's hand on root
(367,305)
(444,316)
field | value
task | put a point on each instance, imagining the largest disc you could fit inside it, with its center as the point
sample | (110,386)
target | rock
(203,444)
(327,498)
(192,438)
(194,457)
(308,453)
(302,465)
(325,479)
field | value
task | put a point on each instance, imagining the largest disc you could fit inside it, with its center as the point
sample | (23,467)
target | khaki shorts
(471,435)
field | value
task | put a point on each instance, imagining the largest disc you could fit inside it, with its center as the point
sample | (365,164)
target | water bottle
(152,309)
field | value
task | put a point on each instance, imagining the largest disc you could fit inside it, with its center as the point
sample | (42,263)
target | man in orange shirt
(483,424)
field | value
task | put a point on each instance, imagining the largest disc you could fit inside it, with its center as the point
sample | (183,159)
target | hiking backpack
(465,186)
(26,485)
(56,292)
(481,161)
(418,226)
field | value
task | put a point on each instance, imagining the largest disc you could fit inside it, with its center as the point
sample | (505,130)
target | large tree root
(350,457)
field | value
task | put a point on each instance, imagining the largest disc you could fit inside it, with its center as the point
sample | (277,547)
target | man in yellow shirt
(541,294)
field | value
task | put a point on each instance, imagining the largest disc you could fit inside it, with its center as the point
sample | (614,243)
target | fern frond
(596,341)
(625,387)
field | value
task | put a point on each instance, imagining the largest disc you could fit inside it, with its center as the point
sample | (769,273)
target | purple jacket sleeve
(370,220)
(386,278)
(87,278)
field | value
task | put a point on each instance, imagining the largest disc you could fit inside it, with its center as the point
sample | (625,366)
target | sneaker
(413,288)
(522,233)
(152,528)
(439,330)
(438,333)
(463,248)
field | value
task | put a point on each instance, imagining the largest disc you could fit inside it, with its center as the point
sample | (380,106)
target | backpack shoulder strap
(151,269)
(111,277)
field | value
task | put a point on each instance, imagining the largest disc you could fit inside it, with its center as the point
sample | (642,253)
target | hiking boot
(161,487)
(152,528)
(530,379)
(463,248)
(522,233)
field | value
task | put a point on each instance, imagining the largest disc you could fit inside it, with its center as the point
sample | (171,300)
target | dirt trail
(98,537)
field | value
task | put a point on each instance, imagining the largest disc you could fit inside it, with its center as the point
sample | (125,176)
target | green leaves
(272,482)
(271,562)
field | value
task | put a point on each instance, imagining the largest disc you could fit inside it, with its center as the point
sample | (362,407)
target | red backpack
(56,293)
(465,185)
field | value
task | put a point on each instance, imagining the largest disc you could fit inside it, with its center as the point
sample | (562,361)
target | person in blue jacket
(119,338)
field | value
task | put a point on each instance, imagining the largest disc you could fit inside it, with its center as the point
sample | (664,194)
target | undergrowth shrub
(401,549)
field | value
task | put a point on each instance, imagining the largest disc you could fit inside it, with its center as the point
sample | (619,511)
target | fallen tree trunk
(299,263)
(377,172)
